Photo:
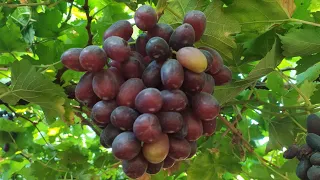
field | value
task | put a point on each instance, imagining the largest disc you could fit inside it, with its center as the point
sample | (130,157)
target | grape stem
(86,9)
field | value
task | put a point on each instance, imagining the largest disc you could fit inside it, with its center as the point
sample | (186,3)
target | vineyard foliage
(271,46)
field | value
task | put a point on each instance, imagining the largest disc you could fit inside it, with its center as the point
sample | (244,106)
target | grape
(170,122)
(132,44)
(141,44)
(93,58)
(172,74)
(158,49)
(117,75)
(132,68)
(217,61)
(145,17)
(149,101)
(209,127)
(147,128)
(313,140)
(209,58)
(117,48)
(194,146)
(102,110)
(313,124)
(6,147)
(140,58)
(108,134)
(70,59)
(135,167)
(183,36)
(157,151)
(205,106)
(304,151)
(147,60)
(314,173)
(84,91)
(174,100)
(302,168)
(192,59)
(126,146)
(121,29)
(151,75)
(183,132)
(116,64)
(222,77)
(315,159)
(180,149)
(194,126)
(161,30)
(105,85)
(193,82)
(209,84)
(154,168)
(291,152)
(123,117)
(128,92)
(197,20)
(168,162)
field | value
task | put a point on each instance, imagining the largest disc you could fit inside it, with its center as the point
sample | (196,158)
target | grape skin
(145,17)
(149,101)
(121,29)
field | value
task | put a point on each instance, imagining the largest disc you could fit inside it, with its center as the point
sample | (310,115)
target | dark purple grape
(209,127)
(205,106)
(126,146)
(194,126)
(132,68)
(121,29)
(141,44)
(180,149)
(183,132)
(70,59)
(183,36)
(174,100)
(149,101)
(170,122)
(168,162)
(108,134)
(313,124)
(105,85)
(222,77)
(117,48)
(172,74)
(154,168)
(198,21)
(158,49)
(315,159)
(101,112)
(157,151)
(128,92)
(93,58)
(123,117)
(140,58)
(291,152)
(217,61)
(84,91)
(193,82)
(145,17)
(314,173)
(6,147)
(147,128)
(135,167)
(117,75)
(151,75)
(194,146)
(209,84)
(116,64)
(209,58)
(161,30)
(302,168)
(147,60)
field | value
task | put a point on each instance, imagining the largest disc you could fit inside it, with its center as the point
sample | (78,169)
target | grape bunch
(155,98)
(8,116)
(309,153)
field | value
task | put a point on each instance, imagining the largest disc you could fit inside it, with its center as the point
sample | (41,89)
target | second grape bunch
(154,100)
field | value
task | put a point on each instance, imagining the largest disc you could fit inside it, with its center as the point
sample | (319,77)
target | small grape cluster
(155,98)
(309,153)
(8,116)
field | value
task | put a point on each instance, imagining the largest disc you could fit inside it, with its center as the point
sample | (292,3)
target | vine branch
(86,9)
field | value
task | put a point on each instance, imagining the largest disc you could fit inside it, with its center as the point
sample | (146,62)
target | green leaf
(315,98)
(9,126)
(302,10)
(275,83)
(306,62)
(266,65)
(310,74)
(11,38)
(46,24)
(49,52)
(307,88)
(301,42)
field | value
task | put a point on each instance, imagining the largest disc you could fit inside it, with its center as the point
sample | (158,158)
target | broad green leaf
(275,83)
(301,42)
(310,74)
(11,38)
(10,126)
(307,88)
(12,167)
(315,98)
(219,26)
(266,65)
(302,10)
(306,62)
(49,52)
(46,24)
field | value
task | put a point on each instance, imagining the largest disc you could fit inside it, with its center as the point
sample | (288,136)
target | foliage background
(271,46)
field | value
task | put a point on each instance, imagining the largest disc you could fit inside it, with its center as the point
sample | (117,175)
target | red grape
(174,100)
(168,162)
(102,110)
(183,36)
(180,149)
(194,126)
(209,127)
(126,146)
(154,168)
(209,84)
(84,91)
(117,48)
(158,49)
(209,58)
(108,134)
(135,167)
(161,30)
(123,117)
(93,58)
(193,145)
(117,75)
(222,77)
(147,128)
(151,75)
(197,20)
(172,74)
(128,92)
(121,29)
(170,122)
(141,44)
(145,17)
(149,101)
(105,85)
(113,63)
(205,106)
(217,61)
(70,59)
(132,68)
(193,82)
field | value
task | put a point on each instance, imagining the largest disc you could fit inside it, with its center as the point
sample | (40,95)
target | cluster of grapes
(8,116)
(309,153)
(154,101)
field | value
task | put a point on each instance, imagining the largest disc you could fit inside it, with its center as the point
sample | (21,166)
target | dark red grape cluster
(155,98)
(309,153)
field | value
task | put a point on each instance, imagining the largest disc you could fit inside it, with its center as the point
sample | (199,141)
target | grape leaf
(302,11)
(46,24)
(310,74)
(315,98)
(265,66)
(9,126)
(306,62)
(11,38)
(307,88)
(219,26)
(11,167)
(49,52)
(275,83)
(301,42)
